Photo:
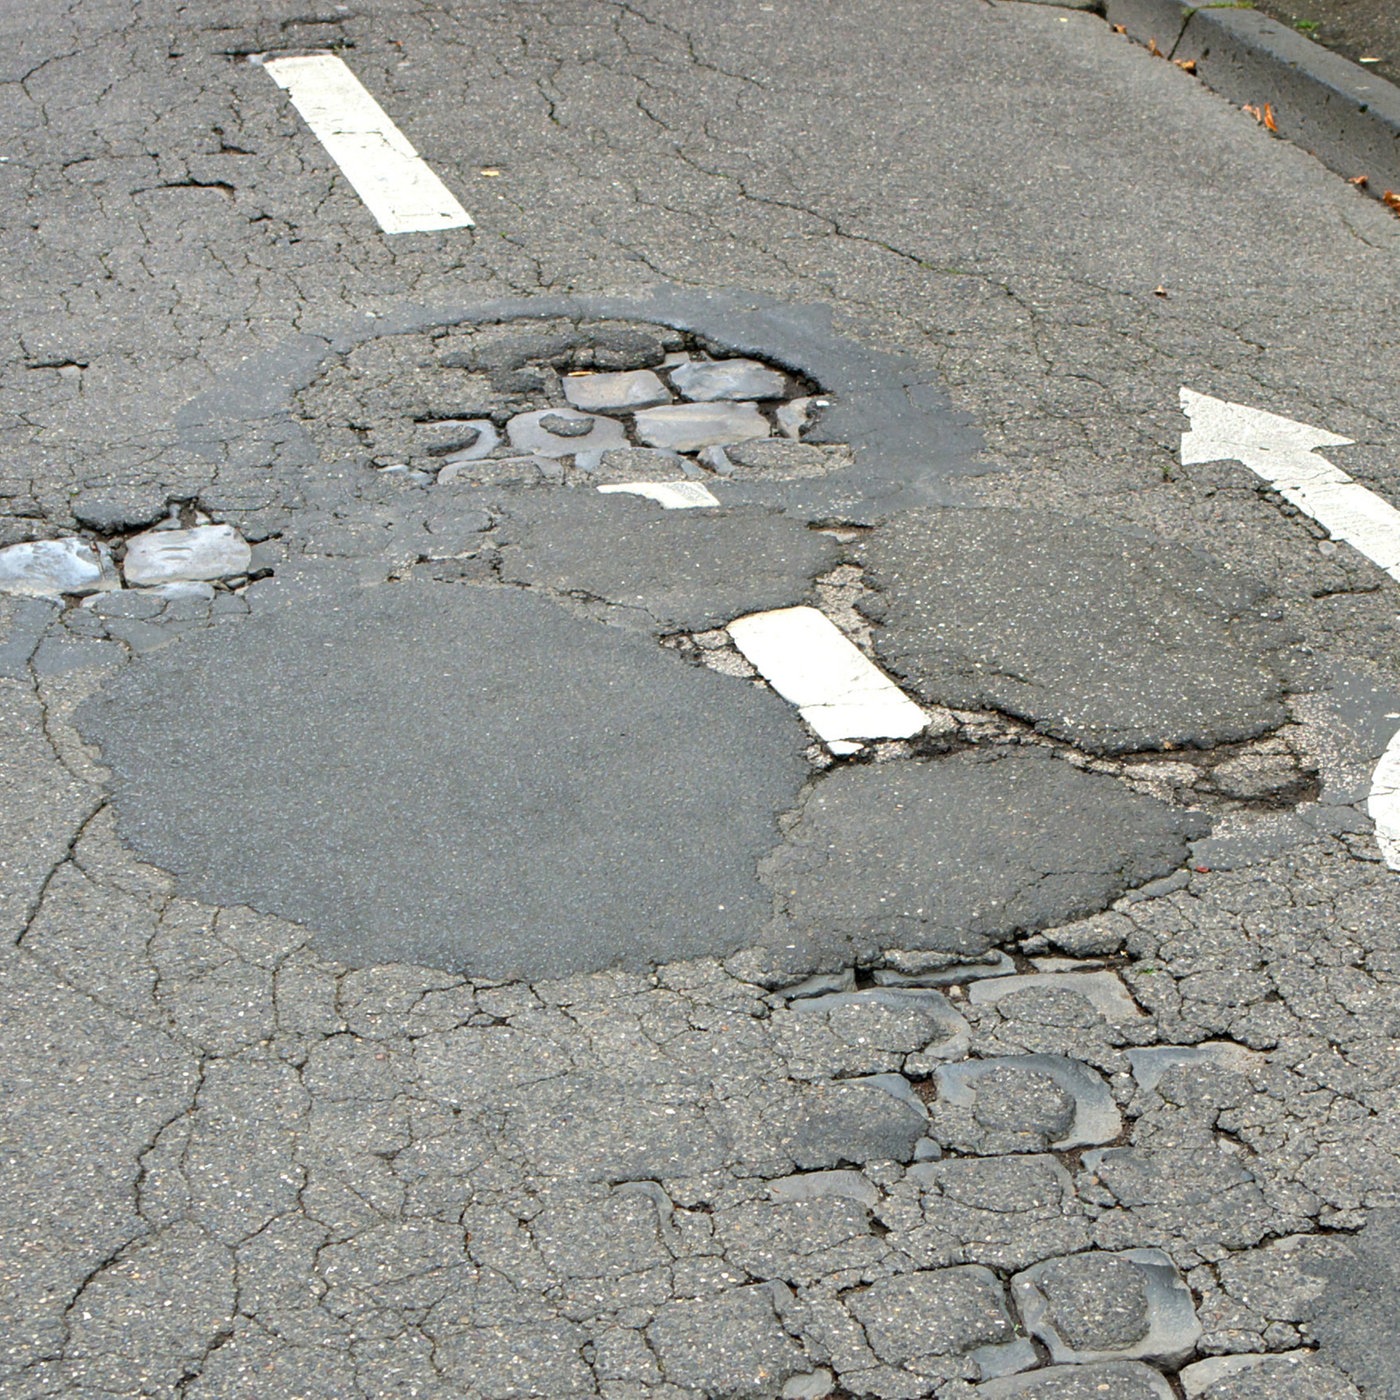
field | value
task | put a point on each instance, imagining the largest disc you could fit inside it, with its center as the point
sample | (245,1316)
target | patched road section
(959,854)
(457,776)
(1109,641)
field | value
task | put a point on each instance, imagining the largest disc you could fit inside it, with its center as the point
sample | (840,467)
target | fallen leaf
(1159,291)
(1253,111)
(490,171)
(1154,50)
(1391,200)
(1360,181)
(1269,117)
(1201,869)
(1120,28)
(1187,65)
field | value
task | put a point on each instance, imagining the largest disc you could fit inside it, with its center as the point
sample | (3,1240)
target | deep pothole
(601,403)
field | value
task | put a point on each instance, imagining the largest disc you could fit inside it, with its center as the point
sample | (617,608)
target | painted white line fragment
(806,658)
(673,495)
(1384,803)
(1282,451)
(395,182)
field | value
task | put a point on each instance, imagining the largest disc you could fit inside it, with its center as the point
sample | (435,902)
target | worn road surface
(443,958)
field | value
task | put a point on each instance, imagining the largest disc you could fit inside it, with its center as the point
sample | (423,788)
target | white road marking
(1281,451)
(806,658)
(394,181)
(673,495)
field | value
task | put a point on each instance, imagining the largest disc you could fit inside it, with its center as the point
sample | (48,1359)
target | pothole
(558,401)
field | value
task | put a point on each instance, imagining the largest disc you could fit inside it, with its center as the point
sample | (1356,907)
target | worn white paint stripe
(1282,452)
(395,182)
(1384,803)
(805,657)
(674,495)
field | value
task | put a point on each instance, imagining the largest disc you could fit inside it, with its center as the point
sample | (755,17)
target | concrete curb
(1348,118)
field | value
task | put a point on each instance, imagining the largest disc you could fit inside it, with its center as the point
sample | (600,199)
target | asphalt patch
(464,777)
(959,854)
(1109,641)
(684,569)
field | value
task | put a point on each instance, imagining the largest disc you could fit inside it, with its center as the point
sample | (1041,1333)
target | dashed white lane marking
(806,658)
(1282,452)
(673,495)
(395,182)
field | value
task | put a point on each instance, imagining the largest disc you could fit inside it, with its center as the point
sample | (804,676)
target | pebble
(51,568)
(689,427)
(451,436)
(704,381)
(552,433)
(602,393)
(795,415)
(167,556)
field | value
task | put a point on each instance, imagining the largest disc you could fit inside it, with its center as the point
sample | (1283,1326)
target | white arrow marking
(807,659)
(1282,452)
(395,182)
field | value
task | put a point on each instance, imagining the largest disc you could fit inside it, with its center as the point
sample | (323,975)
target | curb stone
(1348,118)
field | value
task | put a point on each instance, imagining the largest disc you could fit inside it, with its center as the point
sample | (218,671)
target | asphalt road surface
(637,762)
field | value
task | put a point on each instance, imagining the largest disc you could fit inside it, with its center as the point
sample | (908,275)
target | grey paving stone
(688,570)
(606,393)
(1097,1306)
(459,439)
(785,460)
(1023,1103)
(641,464)
(933,1312)
(853,1120)
(1295,1375)
(704,381)
(555,433)
(732,1345)
(1122,1380)
(486,735)
(1004,1212)
(1204,1196)
(965,852)
(51,568)
(689,427)
(201,552)
(992,609)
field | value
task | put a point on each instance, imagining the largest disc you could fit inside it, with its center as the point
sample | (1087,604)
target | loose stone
(704,381)
(551,433)
(689,427)
(1098,1306)
(50,568)
(793,416)
(603,393)
(203,552)
(448,438)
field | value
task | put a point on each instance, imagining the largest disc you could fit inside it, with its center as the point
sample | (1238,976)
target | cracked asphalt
(436,965)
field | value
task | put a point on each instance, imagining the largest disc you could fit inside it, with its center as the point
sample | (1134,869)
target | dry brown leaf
(1159,291)
(1187,65)
(1154,50)
(1268,118)
(1360,181)
(1253,111)
(1120,28)
(1391,200)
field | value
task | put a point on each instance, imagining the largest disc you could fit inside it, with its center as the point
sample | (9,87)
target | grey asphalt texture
(256,1148)
(462,777)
